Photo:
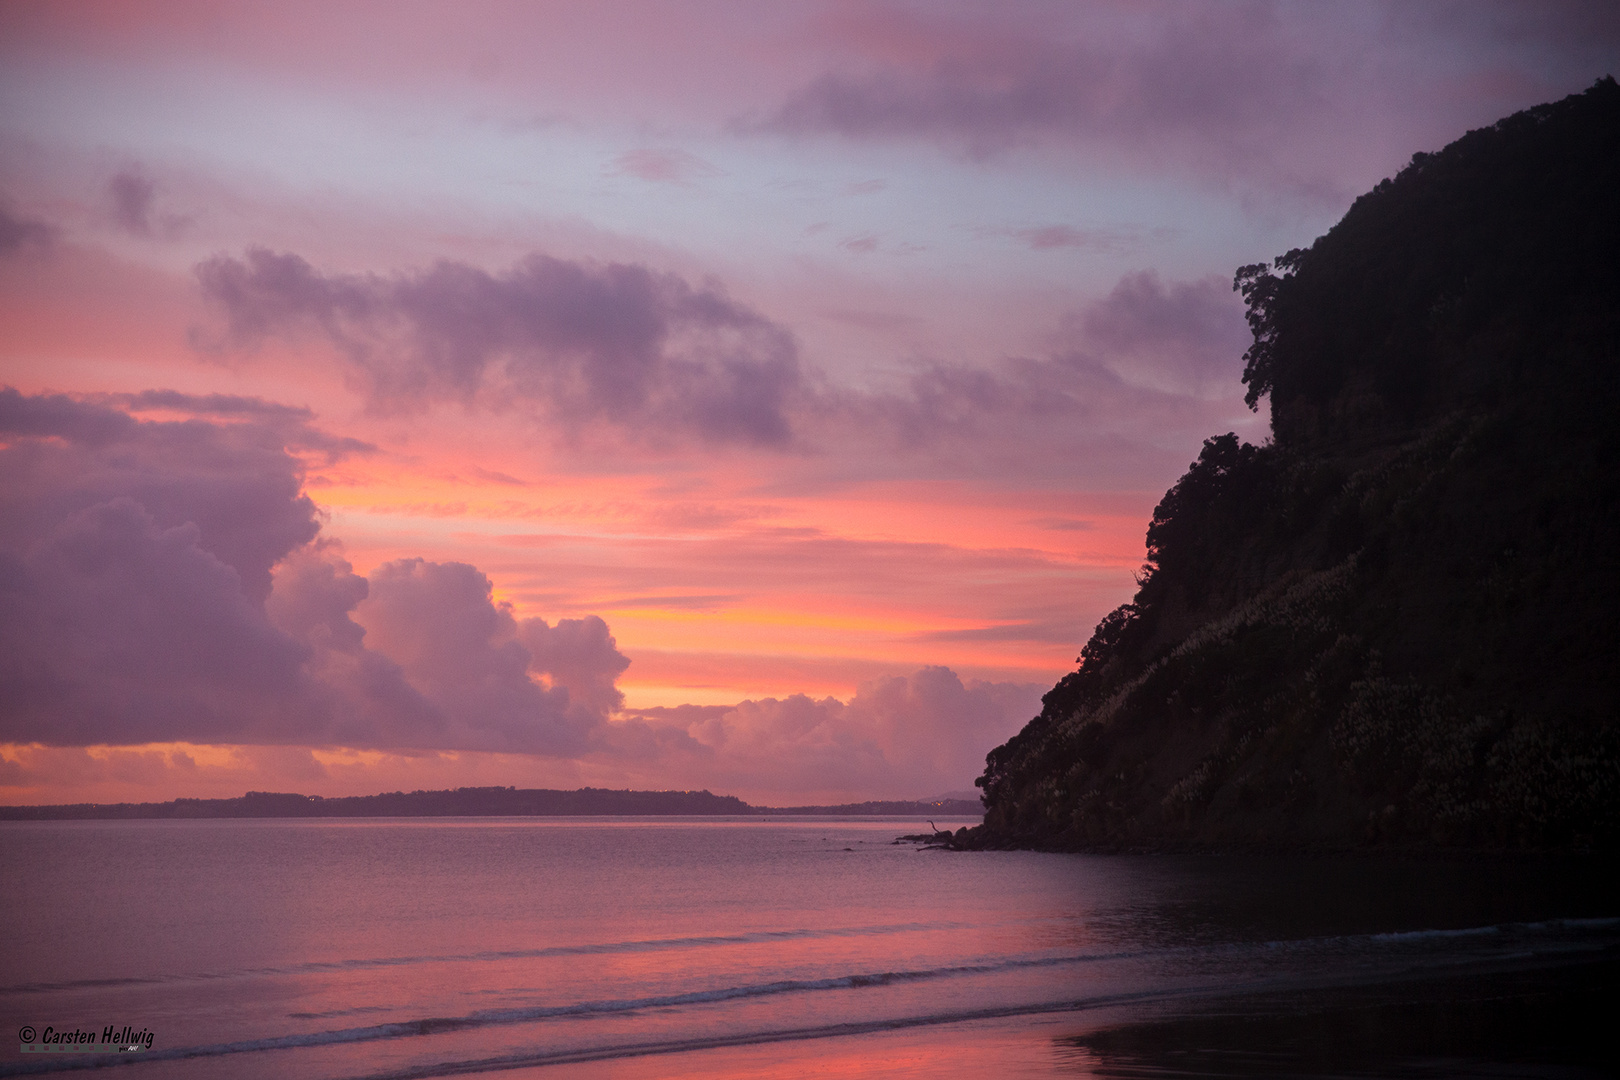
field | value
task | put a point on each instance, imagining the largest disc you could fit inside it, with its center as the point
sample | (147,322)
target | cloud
(366,695)
(131,196)
(163,580)
(135,561)
(586,345)
(914,734)
(1106,241)
(579,655)
(118,629)
(290,423)
(235,484)
(1146,368)
(1135,363)
(473,659)
(615,342)
(18,232)
(663,166)
(1116,396)
(1218,76)
(1189,334)
(1150,358)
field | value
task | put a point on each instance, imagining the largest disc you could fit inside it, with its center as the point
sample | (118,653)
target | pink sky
(761,397)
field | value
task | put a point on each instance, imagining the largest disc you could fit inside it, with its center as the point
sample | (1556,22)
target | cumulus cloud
(162,580)
(366,696)
(136,558)
(918,734)
(235,484)
(579,654)
(473,659)
(615,342)
(117,629)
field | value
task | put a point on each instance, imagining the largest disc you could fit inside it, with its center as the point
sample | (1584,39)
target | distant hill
(475,802)
(943,807)
(1398,622)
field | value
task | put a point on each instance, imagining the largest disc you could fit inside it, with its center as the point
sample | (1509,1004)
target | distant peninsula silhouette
(479,802)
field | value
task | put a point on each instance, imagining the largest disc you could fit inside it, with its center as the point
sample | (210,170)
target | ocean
(658,947)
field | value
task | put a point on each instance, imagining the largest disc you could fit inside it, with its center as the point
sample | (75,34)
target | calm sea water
(789,947)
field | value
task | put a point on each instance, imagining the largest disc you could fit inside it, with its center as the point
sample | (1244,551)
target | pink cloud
(474,660)
(920,734)
(1107,241)
(160,583)
(668,166)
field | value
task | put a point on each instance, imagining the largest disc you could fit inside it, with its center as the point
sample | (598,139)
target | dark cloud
(617,342)
(1563,29)
(131,196)
(131,200)
(367,696)
(119,630)
(620,344)
(135,558)
(234,483)
(291,423)
(232,405)
(1146,360)
(18,232)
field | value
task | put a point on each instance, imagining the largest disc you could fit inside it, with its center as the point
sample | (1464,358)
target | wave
(501,1017)
(1580,937)
(588,949)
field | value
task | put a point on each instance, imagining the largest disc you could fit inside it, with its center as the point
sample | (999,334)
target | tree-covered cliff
(1397,622)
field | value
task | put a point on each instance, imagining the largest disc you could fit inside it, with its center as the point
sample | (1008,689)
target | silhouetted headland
(477,802)
(1397,623)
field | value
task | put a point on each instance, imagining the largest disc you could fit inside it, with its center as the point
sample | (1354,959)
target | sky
(760,397)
